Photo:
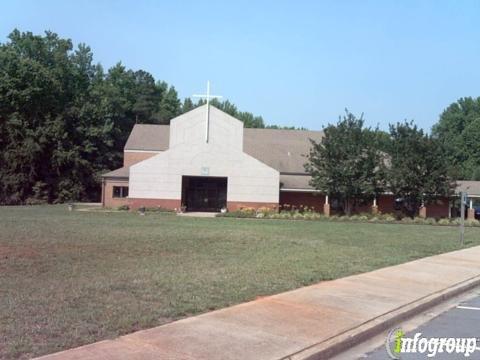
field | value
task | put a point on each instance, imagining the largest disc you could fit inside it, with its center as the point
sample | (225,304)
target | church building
(205,160)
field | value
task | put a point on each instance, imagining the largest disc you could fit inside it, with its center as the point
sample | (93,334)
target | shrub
(247,212)
(265,212)
(298,216)
(35,201)
(472,223)
(313,216)
(366,215)
(242,213)
(123,207)
(285,215)
(444,222)
(455,221)
(389,218)
(407,220)
(158,209)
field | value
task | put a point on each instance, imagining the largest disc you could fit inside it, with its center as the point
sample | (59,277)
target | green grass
(67,279)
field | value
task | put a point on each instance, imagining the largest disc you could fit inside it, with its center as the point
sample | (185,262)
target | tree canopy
(64,120)
(353,164)
(459,130)
(345,164)
(418,170)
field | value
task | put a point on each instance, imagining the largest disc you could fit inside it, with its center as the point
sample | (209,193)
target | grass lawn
(67,279)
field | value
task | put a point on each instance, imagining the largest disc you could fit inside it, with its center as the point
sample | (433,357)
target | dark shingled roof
(123,172)
(470,187)
(283,150)
(297,182)
(148,137)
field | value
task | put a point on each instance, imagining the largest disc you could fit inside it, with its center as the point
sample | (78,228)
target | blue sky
(293,62)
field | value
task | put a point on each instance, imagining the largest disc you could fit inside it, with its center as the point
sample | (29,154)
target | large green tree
(459,130)
(53,139)
(63,120)
(346,163)
(417,170)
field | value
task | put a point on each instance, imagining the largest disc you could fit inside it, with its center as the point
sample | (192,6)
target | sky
(297,63)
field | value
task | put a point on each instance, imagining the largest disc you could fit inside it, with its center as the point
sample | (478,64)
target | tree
(458,129)
(169,105)
(418,170)
(187,105)
(52,136)
(64,120)
(346,164)
(146,97)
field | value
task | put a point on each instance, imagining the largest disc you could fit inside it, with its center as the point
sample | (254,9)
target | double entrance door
(204,193)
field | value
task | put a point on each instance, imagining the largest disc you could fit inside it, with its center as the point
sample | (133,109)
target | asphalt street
(462,321)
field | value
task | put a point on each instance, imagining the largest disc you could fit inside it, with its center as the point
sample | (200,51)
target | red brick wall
(296,199)
(438,208)
(172,204)
(107,193)
(237,205)
(386,204)
(130,158)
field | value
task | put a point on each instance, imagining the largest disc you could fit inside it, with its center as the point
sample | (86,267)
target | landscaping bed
(305,213)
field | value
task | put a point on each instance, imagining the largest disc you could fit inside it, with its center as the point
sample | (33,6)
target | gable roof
(470,187)
(123,172)
(283,150)
(148,137)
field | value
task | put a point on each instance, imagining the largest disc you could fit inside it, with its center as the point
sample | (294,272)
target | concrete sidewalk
(312,322)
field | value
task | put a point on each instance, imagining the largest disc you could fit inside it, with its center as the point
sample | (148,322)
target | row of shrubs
(308,214)
(146,209)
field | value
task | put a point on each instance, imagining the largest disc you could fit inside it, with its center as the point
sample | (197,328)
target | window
(120,191)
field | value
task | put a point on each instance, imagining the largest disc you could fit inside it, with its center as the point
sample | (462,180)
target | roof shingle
(283,150)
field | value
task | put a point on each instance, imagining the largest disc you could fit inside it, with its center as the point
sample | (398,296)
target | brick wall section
(107,194)
(309,199)
(364,208)
(237,205)
(172,204)
(438,209)
(130,158)
(386,204)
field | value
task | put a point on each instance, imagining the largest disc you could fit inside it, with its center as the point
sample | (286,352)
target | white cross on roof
(207,96)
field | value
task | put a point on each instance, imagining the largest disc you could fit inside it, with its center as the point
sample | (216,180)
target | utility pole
(463,202)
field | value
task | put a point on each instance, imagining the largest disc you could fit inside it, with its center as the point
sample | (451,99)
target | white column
(375,201)
(326,199)
(471,204)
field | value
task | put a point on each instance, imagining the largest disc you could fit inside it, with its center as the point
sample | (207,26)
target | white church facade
(202,165)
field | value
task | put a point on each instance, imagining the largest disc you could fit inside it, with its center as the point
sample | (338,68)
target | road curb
(373,327)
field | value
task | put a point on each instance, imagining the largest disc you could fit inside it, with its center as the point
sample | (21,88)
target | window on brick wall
(120,191)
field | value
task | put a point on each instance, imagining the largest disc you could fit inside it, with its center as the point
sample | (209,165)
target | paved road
(463,321)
